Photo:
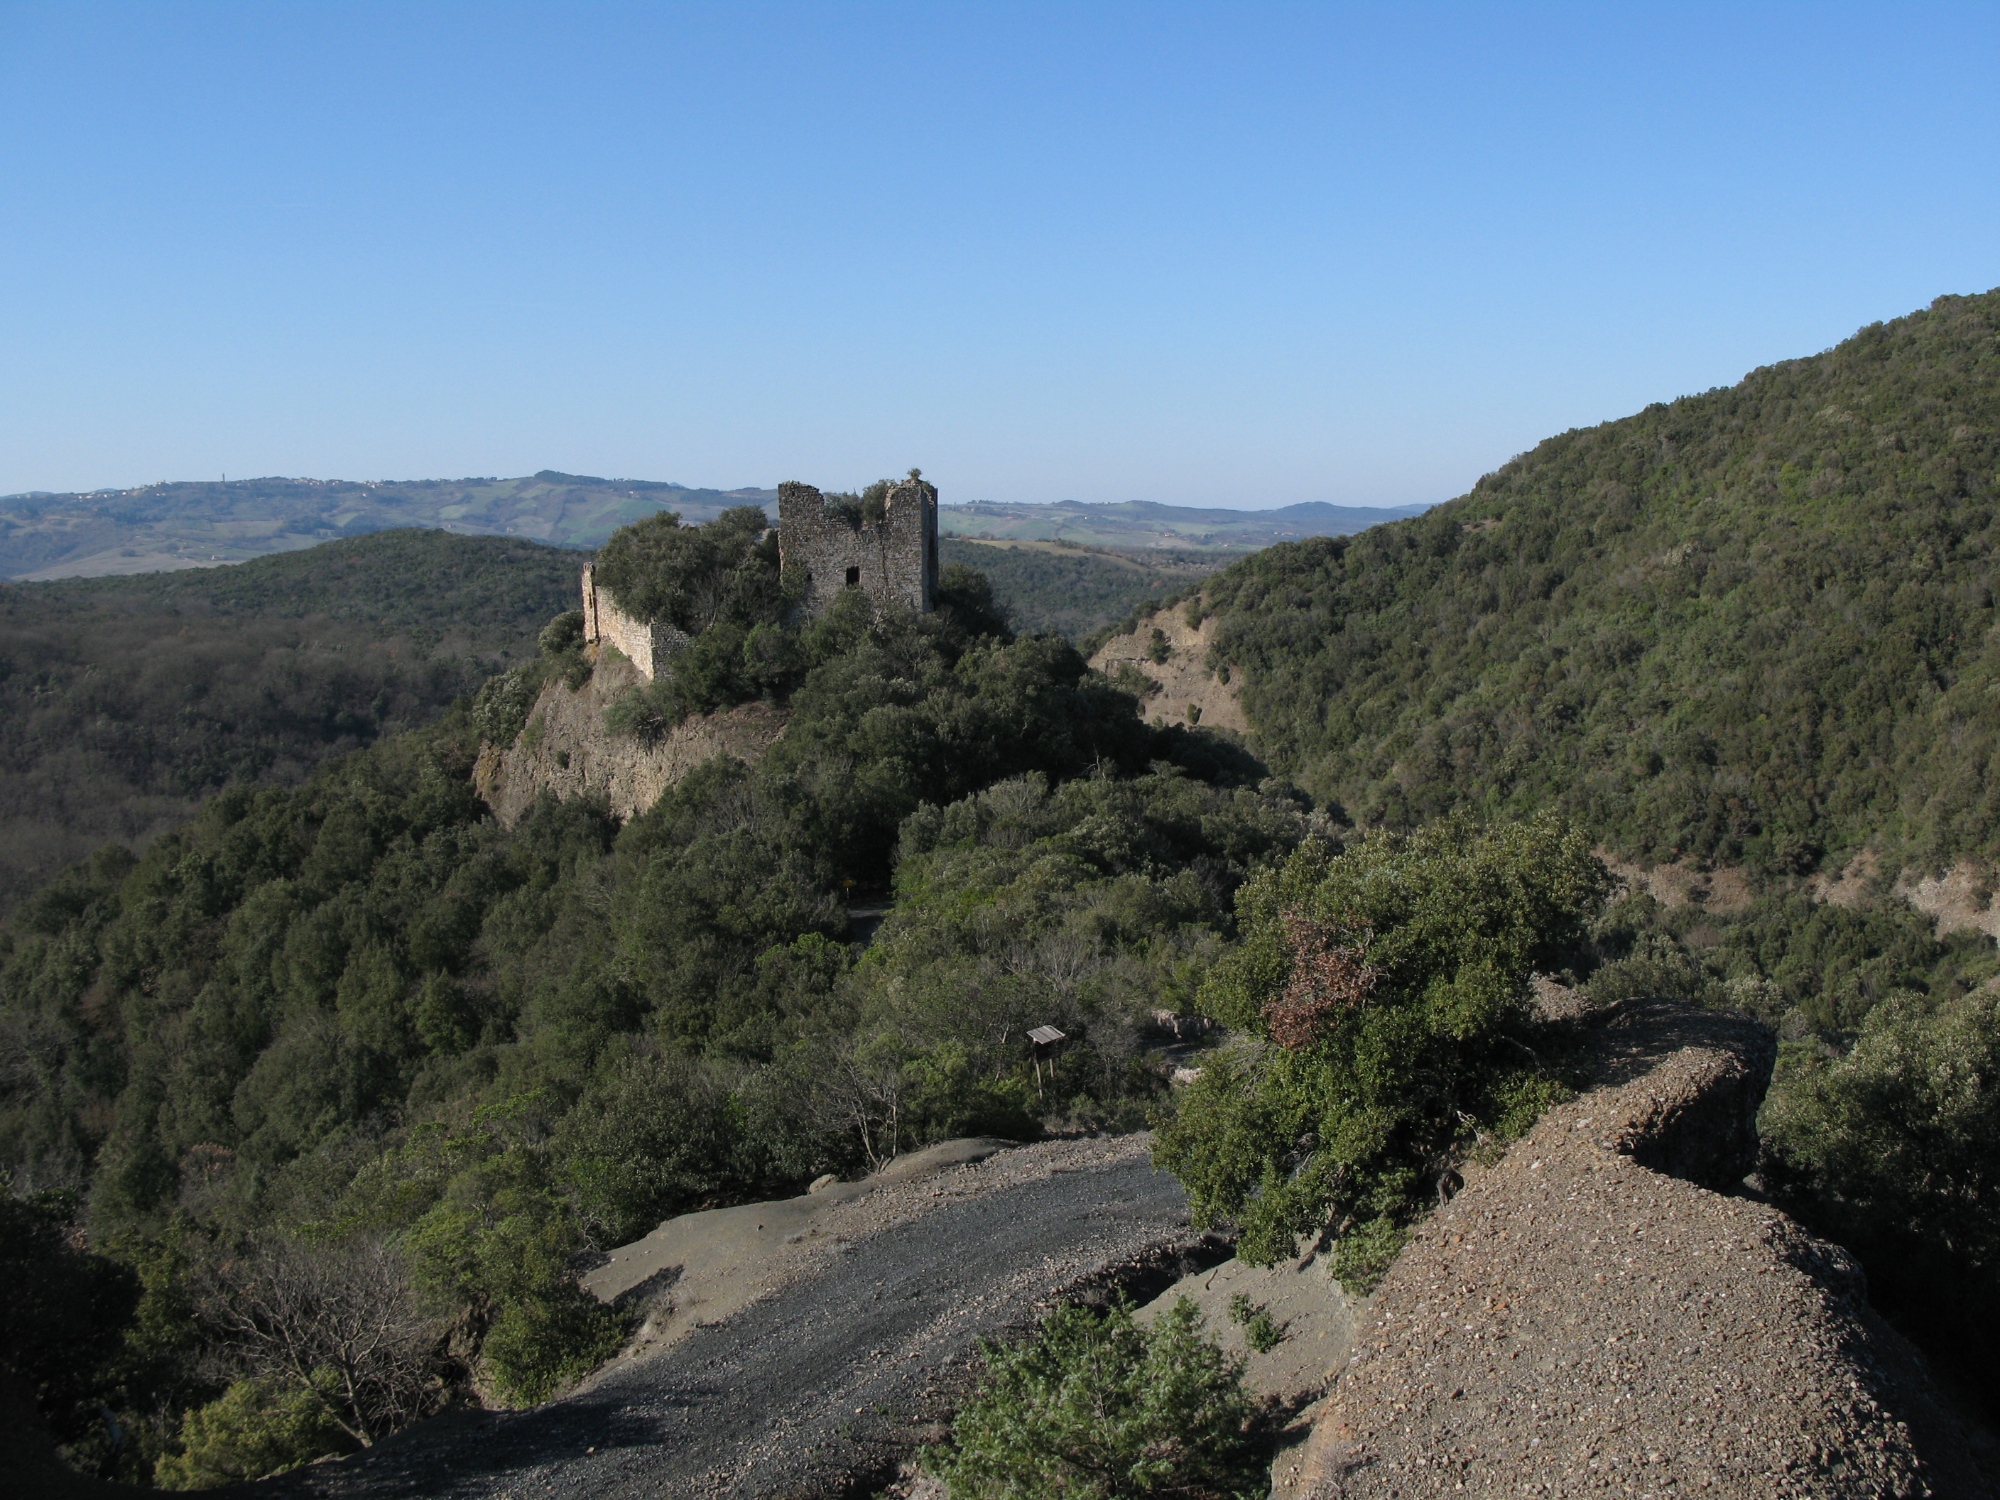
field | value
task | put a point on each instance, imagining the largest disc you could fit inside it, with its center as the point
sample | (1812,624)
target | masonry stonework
(894,559)
(648,645)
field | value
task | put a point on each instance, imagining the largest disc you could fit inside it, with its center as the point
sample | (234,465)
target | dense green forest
(125,701)
(352,1044)
(1755,627)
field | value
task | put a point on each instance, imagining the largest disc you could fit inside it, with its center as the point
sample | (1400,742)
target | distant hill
(159,527)
(183,525)
(1141,523)
(126,701)
(1759,625)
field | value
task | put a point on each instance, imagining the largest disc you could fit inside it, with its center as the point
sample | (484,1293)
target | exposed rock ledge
(1189,692)
(565,748)
(1589,1316)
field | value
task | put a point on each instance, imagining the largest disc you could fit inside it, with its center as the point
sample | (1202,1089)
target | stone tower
(893,559)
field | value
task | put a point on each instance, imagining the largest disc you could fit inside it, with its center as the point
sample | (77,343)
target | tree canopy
(1754,625)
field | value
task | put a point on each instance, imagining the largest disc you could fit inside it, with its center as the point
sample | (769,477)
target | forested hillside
(125,701)
(1075,591)
(349,1043)
(1755,625)
(352,1045)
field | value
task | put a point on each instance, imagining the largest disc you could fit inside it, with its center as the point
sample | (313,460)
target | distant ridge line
(175,524)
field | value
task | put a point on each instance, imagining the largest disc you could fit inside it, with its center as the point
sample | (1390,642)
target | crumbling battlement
(648,645)
(893,559)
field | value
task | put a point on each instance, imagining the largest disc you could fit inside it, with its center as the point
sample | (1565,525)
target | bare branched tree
(339,1320)
(859,1088)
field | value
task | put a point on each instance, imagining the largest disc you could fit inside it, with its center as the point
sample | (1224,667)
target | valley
(1142,525)
(125,702)
(1690,710)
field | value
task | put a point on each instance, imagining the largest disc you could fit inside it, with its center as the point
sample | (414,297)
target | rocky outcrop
(1592,1314)
(1189,691)
(566,750)
(1722,889)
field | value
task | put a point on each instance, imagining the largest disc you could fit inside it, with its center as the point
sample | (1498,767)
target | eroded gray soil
(827,1381)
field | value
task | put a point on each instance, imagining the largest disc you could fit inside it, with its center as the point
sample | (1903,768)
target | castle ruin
(647,644)
(891,555)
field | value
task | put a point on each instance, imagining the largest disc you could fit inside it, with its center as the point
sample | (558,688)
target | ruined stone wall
(648,645)
(894,560)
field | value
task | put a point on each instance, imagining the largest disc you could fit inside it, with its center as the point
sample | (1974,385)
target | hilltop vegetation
(125,701)
(1755,625)
(354,1039)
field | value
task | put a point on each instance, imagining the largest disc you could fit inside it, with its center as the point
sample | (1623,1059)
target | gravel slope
(833,1375)
(1588,1317)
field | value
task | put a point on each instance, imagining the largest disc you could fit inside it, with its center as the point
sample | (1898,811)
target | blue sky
(1240,255)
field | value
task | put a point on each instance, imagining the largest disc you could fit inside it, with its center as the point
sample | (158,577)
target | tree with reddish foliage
(1380,993)
(1328,979)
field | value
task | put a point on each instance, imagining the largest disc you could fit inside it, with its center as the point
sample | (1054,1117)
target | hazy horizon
(724,489)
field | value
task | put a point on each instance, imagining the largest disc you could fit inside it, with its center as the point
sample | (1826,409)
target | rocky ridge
(1607,1309)
(566,749)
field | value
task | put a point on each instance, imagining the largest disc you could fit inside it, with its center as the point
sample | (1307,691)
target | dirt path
(833,1374)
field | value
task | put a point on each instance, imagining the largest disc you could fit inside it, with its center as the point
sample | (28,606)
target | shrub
(500,709)
(1895,1150)
(648,1140)
(1260,1330)
(336,1322)
(540,1344)
(1097,1406)
(1380,991)
(1658,968)
(563,634)
(255,1429)
(694,576)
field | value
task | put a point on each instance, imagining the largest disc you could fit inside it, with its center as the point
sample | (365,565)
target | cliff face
(565,748)
(1189,692)
(1603,1310)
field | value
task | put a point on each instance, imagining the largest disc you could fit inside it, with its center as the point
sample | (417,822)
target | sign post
(1044,1040)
